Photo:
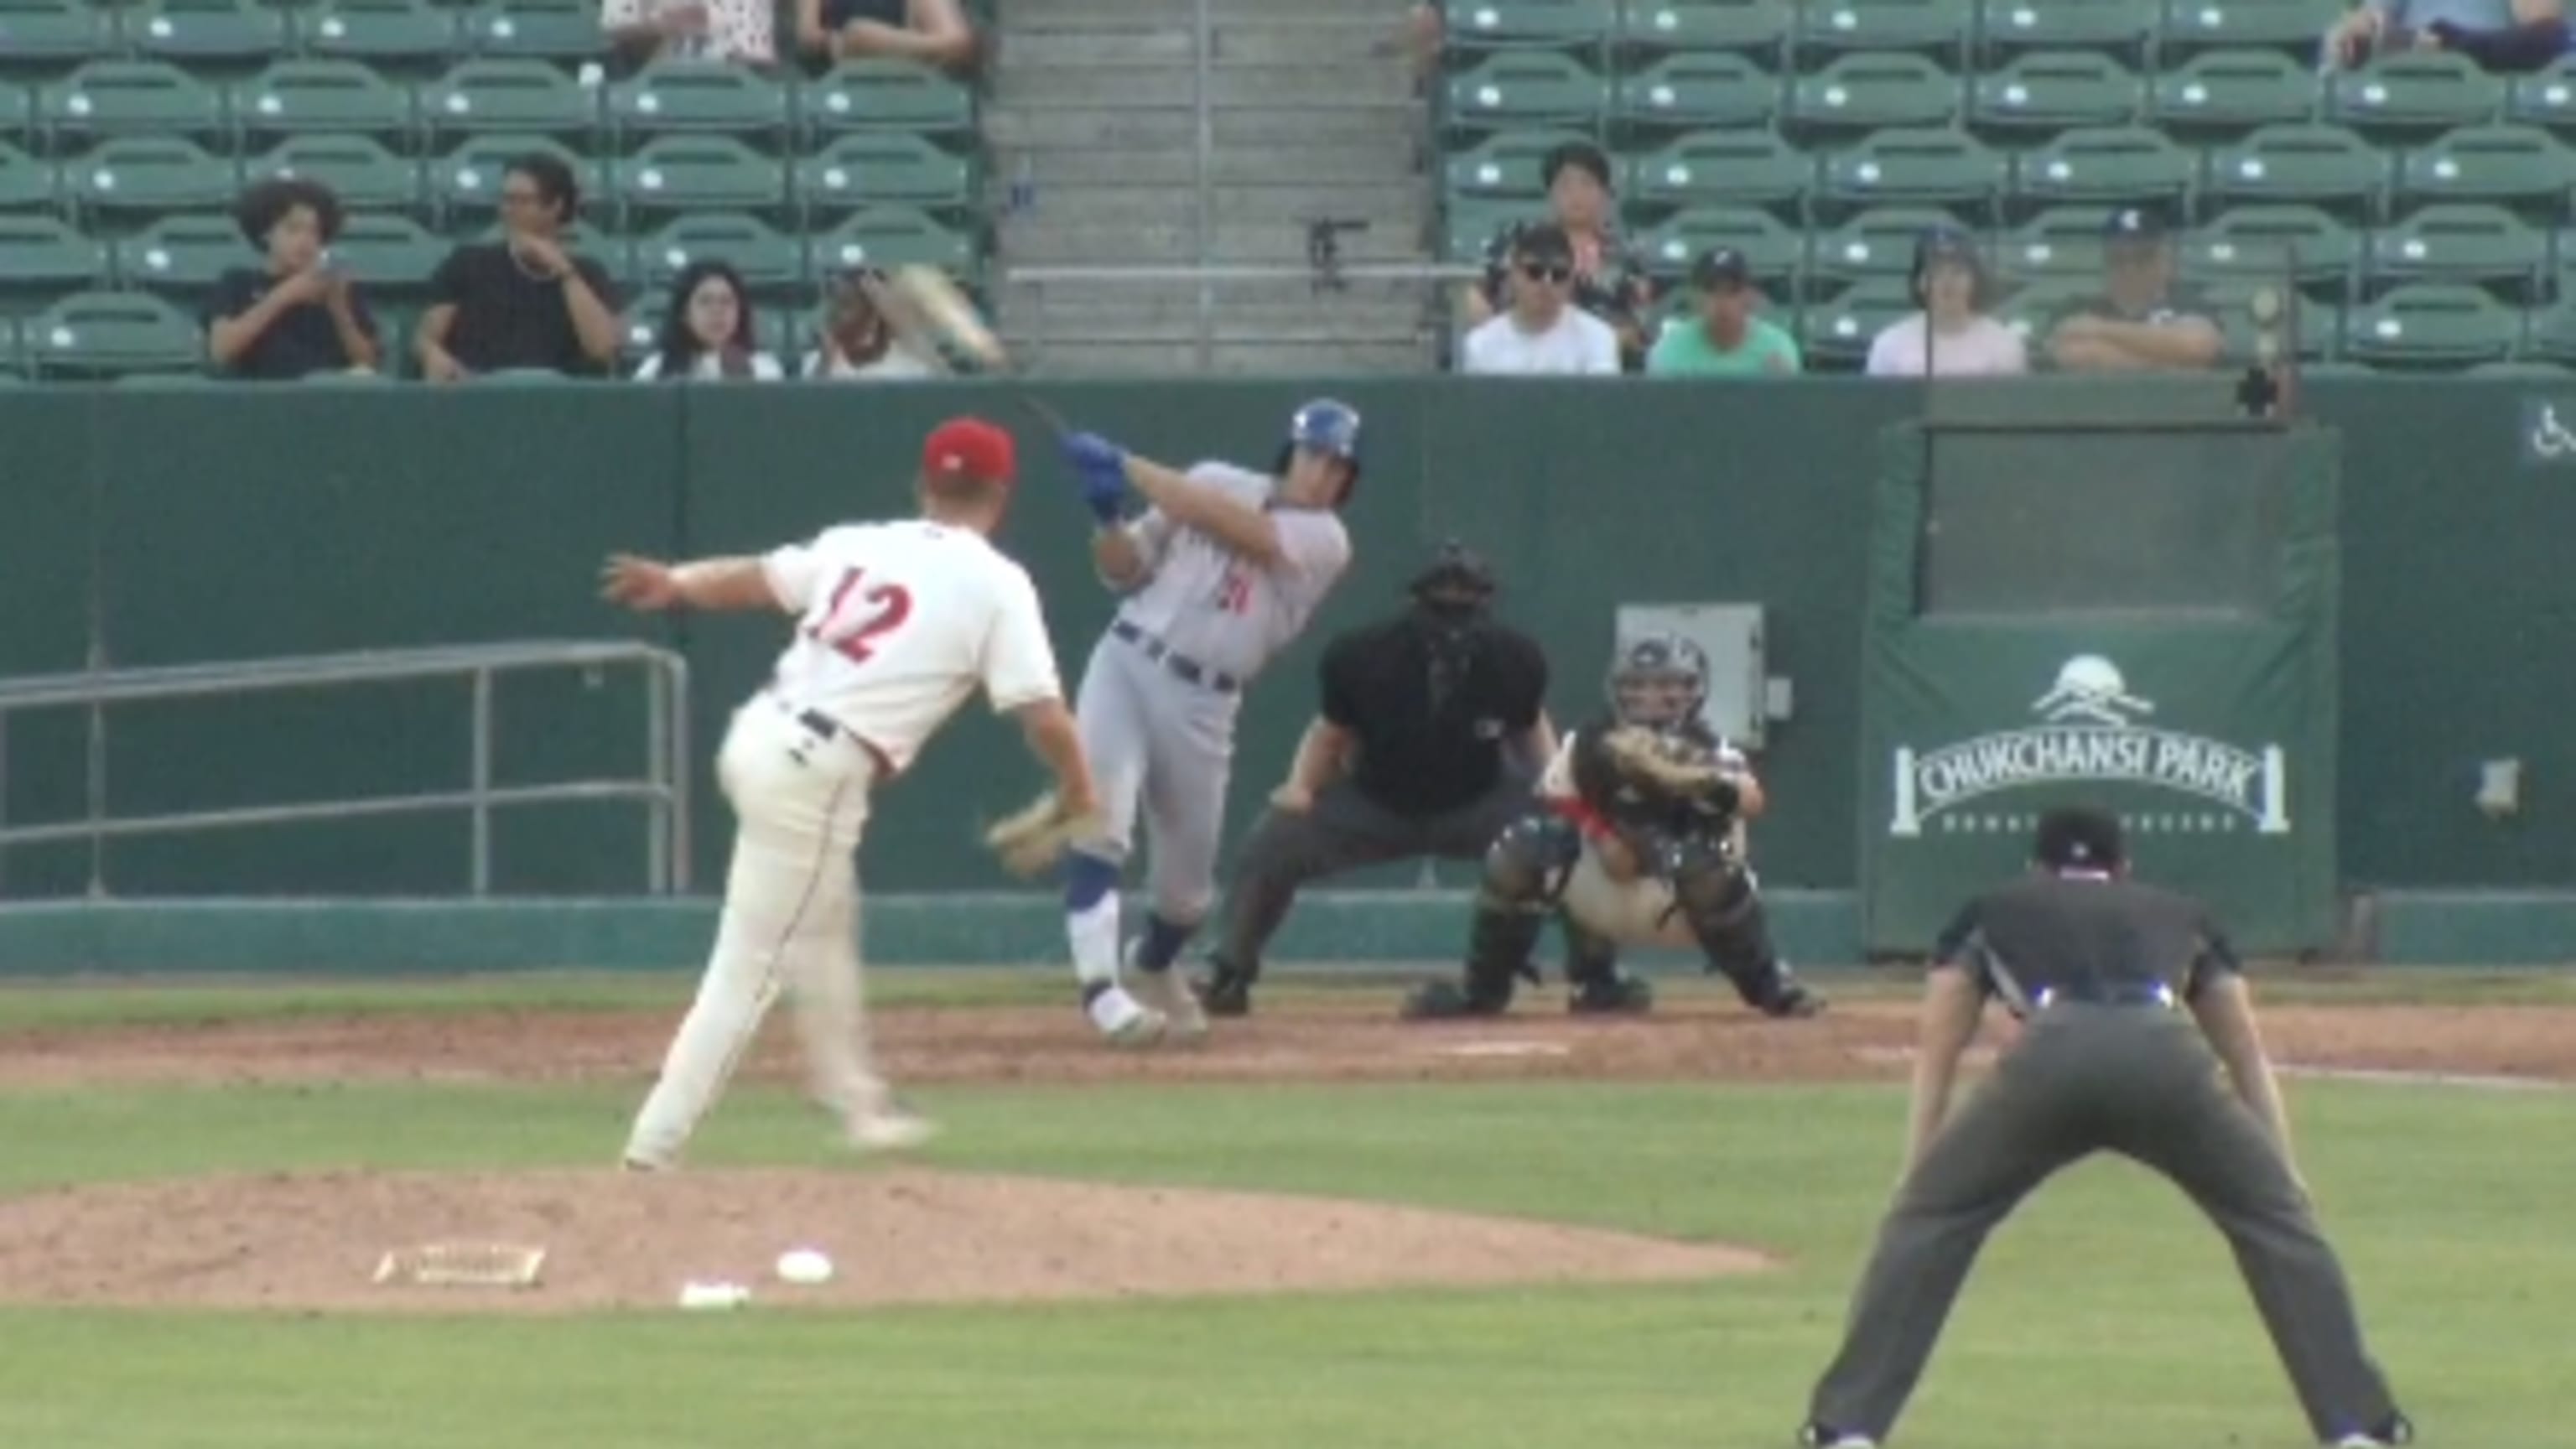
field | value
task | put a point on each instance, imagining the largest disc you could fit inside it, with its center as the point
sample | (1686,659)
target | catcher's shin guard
(1717,898)
(1525,869)
(1227,991)
(1593,983)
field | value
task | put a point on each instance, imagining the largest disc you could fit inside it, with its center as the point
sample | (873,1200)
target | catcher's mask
(1659,682)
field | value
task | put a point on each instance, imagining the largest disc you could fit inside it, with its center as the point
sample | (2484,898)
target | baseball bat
(1054,420)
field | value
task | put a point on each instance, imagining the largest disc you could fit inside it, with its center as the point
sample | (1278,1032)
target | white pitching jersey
(898,622)
(1222,610)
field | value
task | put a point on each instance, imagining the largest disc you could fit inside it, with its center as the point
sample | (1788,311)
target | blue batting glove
(1089,452)
(1104,490)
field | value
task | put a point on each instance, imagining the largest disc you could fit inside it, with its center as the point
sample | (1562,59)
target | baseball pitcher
(896,623)
(1640,840)
(1221,572)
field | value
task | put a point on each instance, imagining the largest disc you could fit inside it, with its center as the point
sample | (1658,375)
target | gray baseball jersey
(1229,614)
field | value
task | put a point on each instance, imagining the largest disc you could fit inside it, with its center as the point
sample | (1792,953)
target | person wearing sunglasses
(1543,333)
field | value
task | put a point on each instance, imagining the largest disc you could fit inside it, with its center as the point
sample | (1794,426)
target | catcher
(1639,840)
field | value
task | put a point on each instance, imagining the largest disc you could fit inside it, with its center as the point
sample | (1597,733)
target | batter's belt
(1183,667)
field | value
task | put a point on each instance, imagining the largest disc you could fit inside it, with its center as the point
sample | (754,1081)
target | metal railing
(1409,288)
(664,788)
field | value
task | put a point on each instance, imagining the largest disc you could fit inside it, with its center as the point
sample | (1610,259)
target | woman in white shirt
(860,343)
(707,331)
(1951,336)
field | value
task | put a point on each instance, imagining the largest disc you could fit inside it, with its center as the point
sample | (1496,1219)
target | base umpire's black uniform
(2096,965)
(1434,702)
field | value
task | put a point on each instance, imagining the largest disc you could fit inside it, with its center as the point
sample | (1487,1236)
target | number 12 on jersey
(857,616)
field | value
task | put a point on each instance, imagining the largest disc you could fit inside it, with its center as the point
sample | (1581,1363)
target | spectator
(2142,320)
(1952,336)
(735,30)
(1607,281)
(2499,35)
(707,330)
(1544,332)
(1725,339)
(935,32)
(859,344)
(297,314)
(523,302)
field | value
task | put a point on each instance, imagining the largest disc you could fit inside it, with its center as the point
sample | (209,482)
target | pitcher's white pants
(790,923)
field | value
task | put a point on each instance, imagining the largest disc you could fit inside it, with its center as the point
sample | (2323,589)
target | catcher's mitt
(1669,765)
(1033,838)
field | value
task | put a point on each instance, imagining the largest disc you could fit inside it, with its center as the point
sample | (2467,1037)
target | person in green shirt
(1725,339)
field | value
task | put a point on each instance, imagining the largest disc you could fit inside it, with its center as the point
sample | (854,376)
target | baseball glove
(1030,840)
(1668,765)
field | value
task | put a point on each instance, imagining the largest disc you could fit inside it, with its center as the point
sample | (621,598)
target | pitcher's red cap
(969,448)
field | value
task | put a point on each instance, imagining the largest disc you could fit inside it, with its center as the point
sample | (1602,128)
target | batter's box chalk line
(1507,1049)
(463,1265)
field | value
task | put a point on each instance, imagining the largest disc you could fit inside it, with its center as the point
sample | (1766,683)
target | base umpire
(2096,966)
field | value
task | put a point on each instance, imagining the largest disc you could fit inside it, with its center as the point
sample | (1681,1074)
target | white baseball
(804,1266)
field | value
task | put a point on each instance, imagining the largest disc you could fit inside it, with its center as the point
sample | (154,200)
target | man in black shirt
(1433,725)
(2097,965)
(524,303)
(2142,320)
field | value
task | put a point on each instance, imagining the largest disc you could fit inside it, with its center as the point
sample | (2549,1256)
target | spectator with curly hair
(707,331)
(859,342)
(296,313)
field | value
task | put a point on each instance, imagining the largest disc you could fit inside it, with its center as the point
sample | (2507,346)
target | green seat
(2047,91)
(207,32)
(481,96)
(2520,166)
(1526,88)
(2303,243)
(2529,370)
(2550,333)
(389,255)
(1870,92)
(1876,243)
(1480,25)
(2319,165)
(2319,325)
(1504,166)
(2058,243)
(2462,242)
(769,262)
(1758,30)
(1835,334)
(46,35)
(2226,91)
(1947,168)
(1827,28)
(2123,28)
(2292,26)
(883,95)
(2432,325)
(108,98)
(2413,94)
(321,97)
(1692,92)
(2542,98)
(1743,167)
(100,335)
(41,256)
(2035,308)
(26,184)
(359,170)
(403,37)
(18,115)
(694,173)
(13,360)
(639,327)
(881,168)
(556,30)
(135,177)
(465,183)
(696,97)
(183,255)
(891,236)
(1468,226)
(1775,250)
(2108,165)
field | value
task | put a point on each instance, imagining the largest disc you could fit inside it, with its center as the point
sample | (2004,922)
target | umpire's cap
(1456,574)
(2079,837)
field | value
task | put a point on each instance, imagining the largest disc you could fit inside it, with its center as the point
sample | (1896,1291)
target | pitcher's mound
(899,1236)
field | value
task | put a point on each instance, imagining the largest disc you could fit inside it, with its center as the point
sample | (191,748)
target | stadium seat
(1475,26)
(1468,226)
(1505,166)
(879,95)
(1836,334)
(518,95)
(390,255)
(2302,243)
(1526,88)
(1745,167)
(183,255)
(2121,28)
(18,115)
(2320,165)
(2432,325)
(555,30)
(108,98)
(2523,167)
(2290,26)
(697,97)
(678,174)
(465,183)
(360,171)
(2034,308)
(41,256)
(2481,245)
(2319,325)
(881,168)
(321,97)
(1945,168)
(1758,30)
(134,178)
(2543,98)
(891,236)
(2411,95)
(1776,251)
(101,335)
(13,360)
(1692,92)
(772,265)
(26,183)
(2106,165)
(2049,91)
(42,37)
(2550,333)
(208,34)
(2224,93)
(1857,93)
(1876,243)
(2062,241)
(1828,28)
(411,38)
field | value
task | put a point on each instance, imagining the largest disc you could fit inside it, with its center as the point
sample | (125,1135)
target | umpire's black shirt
(1430,745)
(2085,937)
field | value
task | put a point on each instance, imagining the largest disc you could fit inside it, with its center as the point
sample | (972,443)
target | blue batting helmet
(1329,427)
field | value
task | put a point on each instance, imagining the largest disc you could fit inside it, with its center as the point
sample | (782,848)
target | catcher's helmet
(1331,428)
(1659,681)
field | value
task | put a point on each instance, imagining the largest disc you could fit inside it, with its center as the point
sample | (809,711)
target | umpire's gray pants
(2142,1082)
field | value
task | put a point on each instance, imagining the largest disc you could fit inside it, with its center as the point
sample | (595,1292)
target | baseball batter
(1224,568)
(896,623)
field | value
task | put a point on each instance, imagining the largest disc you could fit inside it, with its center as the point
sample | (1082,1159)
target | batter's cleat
(2392,1431)
(1614,996)
(1447,1001)
(891,1129)
(638,1164)
(1825,1436)
(1168,991)
(1122,1019)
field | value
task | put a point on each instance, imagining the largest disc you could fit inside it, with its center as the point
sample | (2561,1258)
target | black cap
(1542,241)
(2136,223)
(1455,571)
(1721,266)
(2079,837)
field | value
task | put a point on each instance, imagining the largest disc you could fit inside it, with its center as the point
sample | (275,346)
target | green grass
(2106,1316)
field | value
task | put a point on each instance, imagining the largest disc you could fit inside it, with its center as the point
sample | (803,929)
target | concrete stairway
(1107,154)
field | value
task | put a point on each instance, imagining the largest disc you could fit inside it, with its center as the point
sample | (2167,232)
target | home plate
(1507,1049)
